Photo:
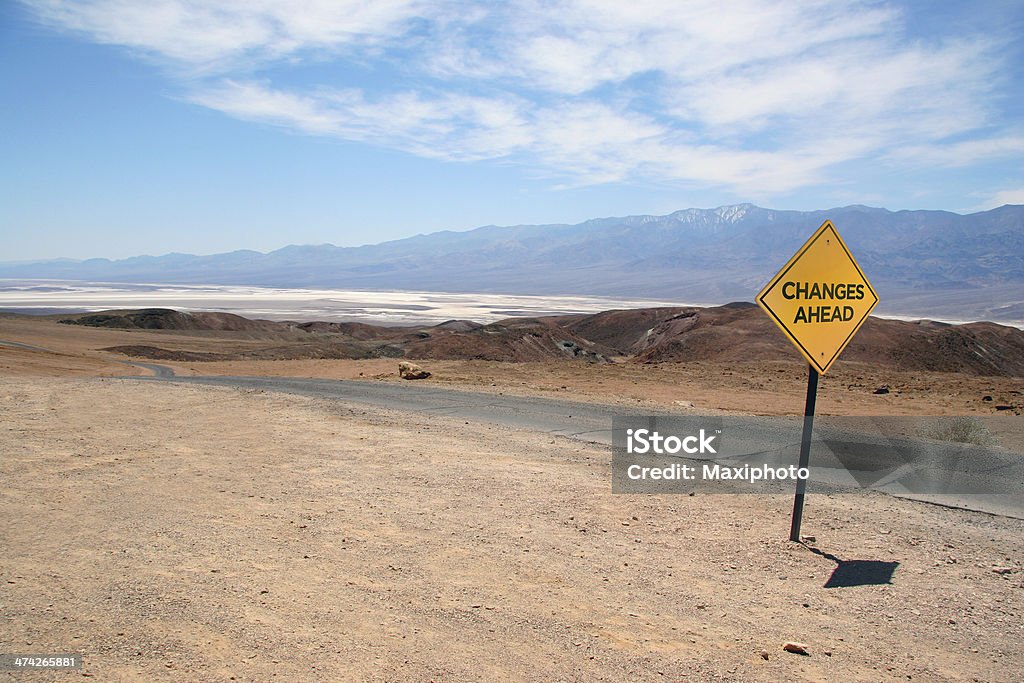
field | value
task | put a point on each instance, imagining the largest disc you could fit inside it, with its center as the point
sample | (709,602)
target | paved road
(159,371)
(988,480)
(589,422)
(19,345)
(843,458)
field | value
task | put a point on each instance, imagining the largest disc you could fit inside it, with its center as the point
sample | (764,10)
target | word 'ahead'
(820,298)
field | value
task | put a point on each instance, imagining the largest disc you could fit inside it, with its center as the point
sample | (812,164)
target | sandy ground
(187,533)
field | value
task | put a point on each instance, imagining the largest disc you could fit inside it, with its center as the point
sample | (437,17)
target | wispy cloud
(230,34)
(755,96)
(1007,196)
(965,152)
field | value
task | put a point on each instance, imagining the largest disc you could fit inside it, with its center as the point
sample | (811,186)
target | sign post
(805,452)
(819,300)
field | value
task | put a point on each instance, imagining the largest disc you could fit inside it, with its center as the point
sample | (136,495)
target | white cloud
(1009,196)
(757,96)
(205,35)
(446,126)
(589,142)
(962,153)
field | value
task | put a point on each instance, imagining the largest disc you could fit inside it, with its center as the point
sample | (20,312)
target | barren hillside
(737,331)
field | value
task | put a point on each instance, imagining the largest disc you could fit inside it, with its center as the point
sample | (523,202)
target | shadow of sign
(849,573)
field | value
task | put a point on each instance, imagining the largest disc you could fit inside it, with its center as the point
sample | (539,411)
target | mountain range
(925,263)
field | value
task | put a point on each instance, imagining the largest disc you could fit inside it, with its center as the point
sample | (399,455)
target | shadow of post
(857,572)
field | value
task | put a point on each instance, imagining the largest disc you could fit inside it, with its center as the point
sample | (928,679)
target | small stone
(795,647)
(764,655)
(1003,570)
(884,389)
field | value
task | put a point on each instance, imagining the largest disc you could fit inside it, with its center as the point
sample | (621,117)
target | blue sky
(178,125)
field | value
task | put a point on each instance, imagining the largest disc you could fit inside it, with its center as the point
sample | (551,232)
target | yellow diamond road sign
(820,298)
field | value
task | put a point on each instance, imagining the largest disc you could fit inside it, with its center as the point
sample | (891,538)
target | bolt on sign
(820,298)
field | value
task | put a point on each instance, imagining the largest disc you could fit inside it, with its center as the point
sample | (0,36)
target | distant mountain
(929,263)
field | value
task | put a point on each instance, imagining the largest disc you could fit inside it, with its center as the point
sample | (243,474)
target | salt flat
(379,307)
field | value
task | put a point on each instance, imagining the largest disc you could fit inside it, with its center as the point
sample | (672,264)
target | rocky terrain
(734,332)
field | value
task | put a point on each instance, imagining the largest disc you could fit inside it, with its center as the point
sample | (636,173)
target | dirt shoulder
(194,533)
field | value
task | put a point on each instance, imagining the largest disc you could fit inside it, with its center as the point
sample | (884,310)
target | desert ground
(183,532)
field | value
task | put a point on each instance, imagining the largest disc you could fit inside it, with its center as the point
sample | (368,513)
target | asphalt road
(159,371)
(843,459)
(588,422)
(847,457)
(19,345)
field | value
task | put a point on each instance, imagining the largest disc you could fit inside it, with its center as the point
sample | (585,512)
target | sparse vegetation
(961,430)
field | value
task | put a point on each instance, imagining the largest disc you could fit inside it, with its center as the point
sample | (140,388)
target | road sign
(820,298)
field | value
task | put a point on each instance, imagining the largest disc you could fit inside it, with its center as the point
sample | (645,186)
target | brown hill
(360,331)
(168,319)
(981,348)
(621,330)
(512,339)
(733,332)
(730,333)
(458,326)
(742,332)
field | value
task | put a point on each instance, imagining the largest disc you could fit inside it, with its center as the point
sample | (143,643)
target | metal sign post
(805,452)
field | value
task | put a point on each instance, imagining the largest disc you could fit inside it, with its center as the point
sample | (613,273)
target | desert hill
(734,332)
(742,332)
(167,319)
